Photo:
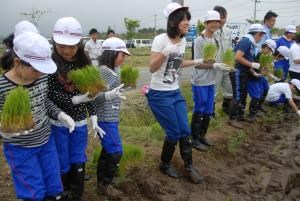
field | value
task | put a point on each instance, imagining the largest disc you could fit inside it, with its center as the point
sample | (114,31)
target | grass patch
(235,141)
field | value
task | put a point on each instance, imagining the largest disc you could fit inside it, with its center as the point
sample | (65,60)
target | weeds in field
(235,141)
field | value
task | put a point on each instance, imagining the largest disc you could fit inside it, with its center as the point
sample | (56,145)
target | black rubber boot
(55,198)
(166,157)
(101,165)
(226,105)
(205,125)
(111,167)
(77,180)
(252,109)
(65,179)
(196,127)
(185,145)
(261,101)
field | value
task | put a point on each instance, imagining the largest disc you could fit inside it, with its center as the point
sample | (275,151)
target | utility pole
(254,17)
(155,24)
(181,2)
(35,15)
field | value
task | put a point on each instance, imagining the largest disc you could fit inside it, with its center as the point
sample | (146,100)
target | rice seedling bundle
(129,75)
(266,63)
(209,52)
(228,58)
(278,73)
(87,79)
(16,115)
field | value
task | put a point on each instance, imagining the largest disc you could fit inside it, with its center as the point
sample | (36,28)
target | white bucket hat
(171,7)
(67,31)
(284,51)
(25,26)
(296,82)
(115,44)
(212,15)
(271,44)
(35,50)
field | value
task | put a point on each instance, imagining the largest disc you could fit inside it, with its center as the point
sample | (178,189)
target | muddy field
(266,167)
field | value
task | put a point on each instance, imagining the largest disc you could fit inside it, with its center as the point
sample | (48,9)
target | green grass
(235,141)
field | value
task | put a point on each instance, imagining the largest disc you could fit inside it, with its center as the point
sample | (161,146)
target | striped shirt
(63,98)
(41,108)
(108,111)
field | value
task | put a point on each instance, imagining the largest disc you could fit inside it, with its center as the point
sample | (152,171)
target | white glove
(115,93)
(82,98)
(276,79)
(298,112)
(255,74)
(67,121)
(198,61)
(95,128)
(170,49)
(221,66)
(255,65)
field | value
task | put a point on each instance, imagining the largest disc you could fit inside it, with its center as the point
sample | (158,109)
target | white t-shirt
(94,49)
(166,77)
(295,55)
(278,89)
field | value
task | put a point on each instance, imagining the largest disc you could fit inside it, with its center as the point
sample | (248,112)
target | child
(203,82)
(108,110)
(257,86)
(69,55)
(164,97)
(283,93)
(281,61)
(33,157)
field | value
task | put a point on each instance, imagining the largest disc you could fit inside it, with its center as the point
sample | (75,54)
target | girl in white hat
(32,154)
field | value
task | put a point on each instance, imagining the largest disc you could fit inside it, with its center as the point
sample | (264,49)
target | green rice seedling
(132,156)
(16,115)
(209,52)
(266,63)
(129,75)
(87,79)
(235,141)
(228,58)
(278,73)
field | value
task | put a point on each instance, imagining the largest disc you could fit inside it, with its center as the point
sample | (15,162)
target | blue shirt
(248,49)
(282,41)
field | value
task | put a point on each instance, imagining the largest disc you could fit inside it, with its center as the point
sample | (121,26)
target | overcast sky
(104,13)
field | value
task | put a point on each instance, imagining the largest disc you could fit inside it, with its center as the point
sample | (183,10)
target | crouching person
(282,93)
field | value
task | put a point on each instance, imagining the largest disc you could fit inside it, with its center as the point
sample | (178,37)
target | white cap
(67,31)
(25,26)
(212,15)
(290,29)
(35,49)
(115,44)
(171,7)
(271,44)
(284,51)
(256,28)
(296,82)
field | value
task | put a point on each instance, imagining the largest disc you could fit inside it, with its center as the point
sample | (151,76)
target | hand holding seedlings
(276,79)
(115,93)
(82,98)
(9,135)
(221,66)
(255,65)
(95,128)
(67,121)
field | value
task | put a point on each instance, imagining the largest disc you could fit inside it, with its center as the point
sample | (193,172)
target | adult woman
(164,97)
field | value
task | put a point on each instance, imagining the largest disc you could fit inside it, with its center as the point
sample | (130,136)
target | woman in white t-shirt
(164,96)
(294,70)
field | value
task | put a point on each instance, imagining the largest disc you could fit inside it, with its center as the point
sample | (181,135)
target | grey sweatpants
(223,81)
